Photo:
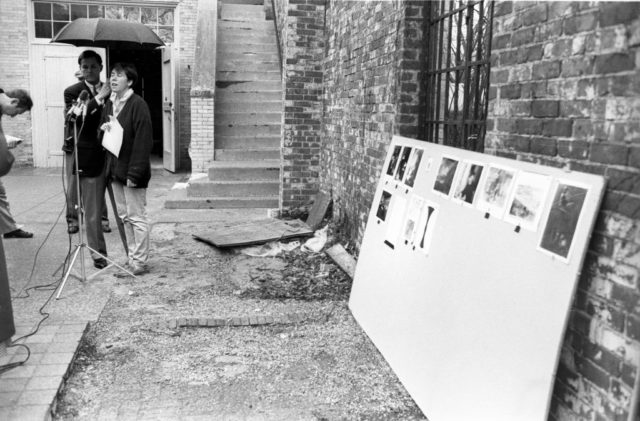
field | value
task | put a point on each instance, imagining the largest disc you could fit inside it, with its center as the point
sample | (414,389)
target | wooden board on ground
(343,259)
(318,210)
(255,232)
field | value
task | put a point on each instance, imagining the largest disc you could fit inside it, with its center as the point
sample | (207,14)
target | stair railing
(275,24)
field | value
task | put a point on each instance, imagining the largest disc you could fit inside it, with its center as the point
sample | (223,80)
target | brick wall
(372,91)
(187,10)
(565,92)
(300,26)
(14,72)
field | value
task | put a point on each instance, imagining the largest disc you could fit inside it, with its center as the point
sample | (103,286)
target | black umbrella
(108,33)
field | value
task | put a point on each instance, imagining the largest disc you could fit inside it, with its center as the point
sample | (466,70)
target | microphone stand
(79,248)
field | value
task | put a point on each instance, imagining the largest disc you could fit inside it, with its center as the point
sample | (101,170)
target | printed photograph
(396,217)
(383,206)
(394,159)
(560,227)
(402,165)
(445,176)
(527,201)
(496,189)
(412,167)
(467,183)
(414,212)
(426,226)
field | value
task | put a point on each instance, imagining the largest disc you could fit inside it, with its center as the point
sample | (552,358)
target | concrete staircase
(247,113)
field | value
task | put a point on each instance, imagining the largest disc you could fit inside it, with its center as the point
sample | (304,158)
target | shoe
(18,234)
(72,229)
(100,263)
(134,269)
(106,228)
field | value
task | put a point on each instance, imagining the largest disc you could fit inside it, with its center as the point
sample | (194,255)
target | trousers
(72,199)
(7,223)
(131,206)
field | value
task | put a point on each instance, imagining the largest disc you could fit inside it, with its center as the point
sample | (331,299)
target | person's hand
(105,127)
(130,183)
(105,91)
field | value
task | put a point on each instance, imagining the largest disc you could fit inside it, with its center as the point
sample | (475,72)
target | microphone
(82,99)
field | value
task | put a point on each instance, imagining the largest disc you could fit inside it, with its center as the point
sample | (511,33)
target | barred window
(51,17)
(457,77)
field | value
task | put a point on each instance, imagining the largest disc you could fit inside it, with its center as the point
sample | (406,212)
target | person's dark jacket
(91,154)
(132,162)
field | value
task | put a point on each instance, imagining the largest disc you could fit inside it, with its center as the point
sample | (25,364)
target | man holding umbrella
(83,107)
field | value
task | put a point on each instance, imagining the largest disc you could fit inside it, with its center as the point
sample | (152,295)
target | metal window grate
(457,77)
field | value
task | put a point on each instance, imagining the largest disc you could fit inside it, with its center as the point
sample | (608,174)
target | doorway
(149,85)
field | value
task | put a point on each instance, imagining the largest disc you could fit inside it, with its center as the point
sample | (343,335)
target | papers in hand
(112,140)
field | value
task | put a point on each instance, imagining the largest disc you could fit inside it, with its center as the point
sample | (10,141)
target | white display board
(466,273)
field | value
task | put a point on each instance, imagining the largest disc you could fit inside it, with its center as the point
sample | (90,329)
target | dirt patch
(326,369)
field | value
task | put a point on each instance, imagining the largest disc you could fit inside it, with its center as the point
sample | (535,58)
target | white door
(170,151)
(52,70)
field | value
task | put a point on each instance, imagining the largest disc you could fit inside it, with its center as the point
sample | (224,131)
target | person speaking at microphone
(83,106)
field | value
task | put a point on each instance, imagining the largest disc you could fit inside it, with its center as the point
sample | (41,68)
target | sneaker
(136,270)
(106,227)
(100,263)
(19,233)
(72,229)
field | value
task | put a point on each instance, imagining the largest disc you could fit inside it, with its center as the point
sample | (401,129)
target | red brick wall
(565,88)
(372,90)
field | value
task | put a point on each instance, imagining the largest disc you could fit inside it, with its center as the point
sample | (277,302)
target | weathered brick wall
(187,10)
(202,129)
(372,86)
(14,72)
(565,85)
(302,34)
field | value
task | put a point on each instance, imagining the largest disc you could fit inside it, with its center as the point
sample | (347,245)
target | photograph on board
(467,182)
(426,226)
(383,206)
(495,190)
(445,175)
(564,214)
(414,212)
(396,217)
(394,160)
(412,166)
(528,199)
(402,165)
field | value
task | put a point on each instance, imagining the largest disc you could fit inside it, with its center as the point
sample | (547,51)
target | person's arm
(142,143)
(6,157)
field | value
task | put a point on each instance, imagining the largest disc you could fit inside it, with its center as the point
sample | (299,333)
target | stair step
(226,97)
(248,76)
(254,2)
(244,119)
(247,131)
(265,26)
(248,65)
(248,86)
(245,171)
(231,36)
(227,107)
(245,142)
(255,154)
(178,199)
(242,12)
(208,188)
(247,48)
(256,57)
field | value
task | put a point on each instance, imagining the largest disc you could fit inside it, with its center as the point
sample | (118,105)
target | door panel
(170,150)
(52,70)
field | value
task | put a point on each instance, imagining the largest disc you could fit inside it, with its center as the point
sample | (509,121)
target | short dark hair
(129,71)
(87,54)
(24,100)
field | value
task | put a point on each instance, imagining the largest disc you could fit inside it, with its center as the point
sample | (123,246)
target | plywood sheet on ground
(255,232)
